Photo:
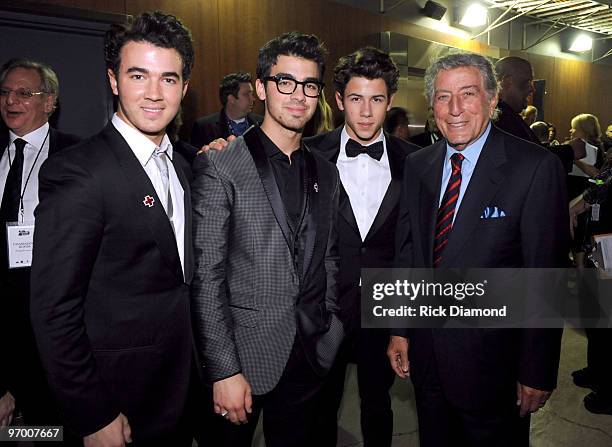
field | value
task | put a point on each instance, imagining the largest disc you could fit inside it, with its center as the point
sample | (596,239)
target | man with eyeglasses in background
(29,92)
(264,294)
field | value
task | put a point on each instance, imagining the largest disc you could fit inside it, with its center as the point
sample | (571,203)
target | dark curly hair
(230,85)
(370,63)
(307,46)
(157,28)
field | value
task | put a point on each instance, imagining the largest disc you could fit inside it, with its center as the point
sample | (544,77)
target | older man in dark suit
(28,96)
(468,381)
(112,253)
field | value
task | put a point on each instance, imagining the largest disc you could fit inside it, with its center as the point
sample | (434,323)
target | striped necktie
(444,219)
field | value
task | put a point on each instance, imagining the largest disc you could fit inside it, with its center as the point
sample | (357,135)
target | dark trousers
(599,359)
(288,410)
(368,349)
(442,424)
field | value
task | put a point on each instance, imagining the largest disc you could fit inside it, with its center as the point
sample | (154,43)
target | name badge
(595,208)
(19,241)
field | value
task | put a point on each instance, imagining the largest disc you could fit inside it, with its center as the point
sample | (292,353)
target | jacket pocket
(243,316)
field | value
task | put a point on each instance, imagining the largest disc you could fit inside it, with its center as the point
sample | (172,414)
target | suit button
(363,250)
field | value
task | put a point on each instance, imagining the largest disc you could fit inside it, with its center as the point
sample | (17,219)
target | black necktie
(12,188)
(373,150)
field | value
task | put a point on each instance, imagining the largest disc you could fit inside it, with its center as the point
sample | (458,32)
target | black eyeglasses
(287,85)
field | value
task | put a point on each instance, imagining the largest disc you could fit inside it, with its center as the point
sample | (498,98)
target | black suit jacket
(15,286)
(478,367)
(110,303)
(214,126)
(378,248)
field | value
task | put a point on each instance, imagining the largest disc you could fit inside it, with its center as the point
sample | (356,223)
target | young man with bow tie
(370,163)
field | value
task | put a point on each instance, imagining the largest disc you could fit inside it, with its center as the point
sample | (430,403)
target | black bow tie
(373,150)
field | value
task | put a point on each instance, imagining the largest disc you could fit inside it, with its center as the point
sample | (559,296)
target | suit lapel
(486,180)
(329,148)
(310,223)
(188,229)
(429,196)
(264,170)
(391,197)
(141,186)
(4,140)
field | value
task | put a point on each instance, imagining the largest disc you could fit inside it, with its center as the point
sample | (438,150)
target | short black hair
(396,116)
(157,28)
(230,85)
(370,63)
(306,46)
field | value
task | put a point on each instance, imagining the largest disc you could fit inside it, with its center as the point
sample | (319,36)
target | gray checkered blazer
(245,287)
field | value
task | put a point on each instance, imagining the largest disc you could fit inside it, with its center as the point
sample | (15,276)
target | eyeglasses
(287,85)
(21,93)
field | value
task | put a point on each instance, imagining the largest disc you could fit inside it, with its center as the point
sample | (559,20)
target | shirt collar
(344,137)
(472,152)
(35,139)
(142,147)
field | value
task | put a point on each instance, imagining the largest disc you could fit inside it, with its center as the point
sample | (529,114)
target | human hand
(397,352)
(232,398)
(115,434)
(217,144)
(7,406)
(530,399)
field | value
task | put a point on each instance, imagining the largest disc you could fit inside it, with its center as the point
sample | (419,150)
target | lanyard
(21,210)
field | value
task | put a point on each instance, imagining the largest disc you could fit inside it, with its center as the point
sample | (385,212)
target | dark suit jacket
(15,286)
(511,122)
(378,248)
(110,303)
(215,126)
(250,300)
(478,367)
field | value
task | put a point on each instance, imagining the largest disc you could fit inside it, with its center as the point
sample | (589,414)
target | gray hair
(457,60)
(540,129)
(48,78)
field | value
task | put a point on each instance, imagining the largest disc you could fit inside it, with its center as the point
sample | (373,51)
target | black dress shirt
(289,174)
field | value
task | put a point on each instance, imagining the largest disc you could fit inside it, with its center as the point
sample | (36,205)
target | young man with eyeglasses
(28,96)
(264,292)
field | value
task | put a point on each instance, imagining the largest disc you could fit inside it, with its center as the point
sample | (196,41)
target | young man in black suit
(112,257)
(477,387)
(264,293)
(370,163)
(28,96)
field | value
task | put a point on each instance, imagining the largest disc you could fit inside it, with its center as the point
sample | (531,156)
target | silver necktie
(160,157)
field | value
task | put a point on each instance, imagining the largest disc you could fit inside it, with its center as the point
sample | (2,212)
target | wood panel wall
(228,33)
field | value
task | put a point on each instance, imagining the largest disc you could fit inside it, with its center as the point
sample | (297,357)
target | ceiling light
(475,15)
(581,43)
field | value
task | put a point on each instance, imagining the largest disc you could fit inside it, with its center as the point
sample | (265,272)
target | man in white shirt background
(29,92)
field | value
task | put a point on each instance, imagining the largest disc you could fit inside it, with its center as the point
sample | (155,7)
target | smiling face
(365,104)
(292,111)
(150,87)
(462,108)
(23,116)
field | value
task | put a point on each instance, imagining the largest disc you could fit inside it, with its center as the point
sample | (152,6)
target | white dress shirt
(471,154)
(37,141)
(143,149)
(365,180)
